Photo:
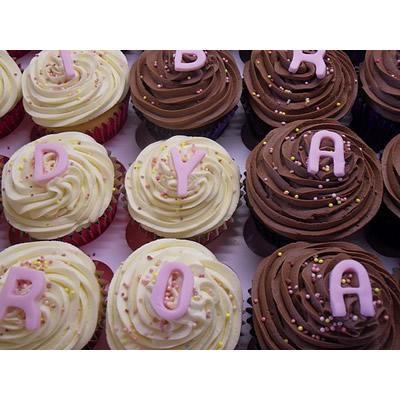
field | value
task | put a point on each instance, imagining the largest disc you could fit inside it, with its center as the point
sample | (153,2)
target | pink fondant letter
(363,291)
(39,176)
(184,169)
(337,155)
(68,65)
(197,64)
(27,302)
(316,58)
(185,294)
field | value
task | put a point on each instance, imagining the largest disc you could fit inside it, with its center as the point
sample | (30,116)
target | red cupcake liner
(85,235)
(98,341)
(17,53)
(3,160)
(101,133)
(12,119)
(137,236)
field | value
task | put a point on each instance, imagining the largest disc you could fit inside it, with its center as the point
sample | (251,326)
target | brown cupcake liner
(104,275)
(17,53)
(3,161)
(10,121)
(101,133)
(86,234)
(212,131)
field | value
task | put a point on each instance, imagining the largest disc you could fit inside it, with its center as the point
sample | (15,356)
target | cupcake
(188,95)
(313,180)
(81,90)
(174,295)
(183,187)
(280,88)
(50,297)
(3,160)
(62,186)
(377,111)
(11,108)
(327,296)
(383,232)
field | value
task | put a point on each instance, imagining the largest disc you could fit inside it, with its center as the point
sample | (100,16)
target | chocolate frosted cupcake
(280,89)
(383,232)
(327,296)
(188,95)
(313,180)
(377,110)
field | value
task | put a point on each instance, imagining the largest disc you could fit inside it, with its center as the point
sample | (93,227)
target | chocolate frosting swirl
(391,175)
(292,303)
(184,100)
(314,207)
(278,96)
(380,78)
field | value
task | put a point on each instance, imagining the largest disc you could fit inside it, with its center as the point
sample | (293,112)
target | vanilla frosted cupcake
(61,187)
(184,187)
(173,294)
(11,109)
(90,94)
(59,308)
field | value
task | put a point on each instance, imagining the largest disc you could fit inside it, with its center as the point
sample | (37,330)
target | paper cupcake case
(86,234)
(10,121)
(211,131)
(136,235)
(102,133)
(104,275)
(374,129)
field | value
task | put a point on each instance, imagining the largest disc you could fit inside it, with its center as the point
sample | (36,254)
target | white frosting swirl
(70,305)
(212,321)
(53,100)
(10,83)
(65,204)
(212,195)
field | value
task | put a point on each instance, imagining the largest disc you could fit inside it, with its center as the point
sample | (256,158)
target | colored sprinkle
(286,341)
(220,344)
(280,254)
(330,205)
(377,290)
(296,196)
(286,192)
(297,130)
(358,201)
(327,320)
(227,315)
(144,97)
(264,143)
(300,328)
(293,158)
(338,104)
(320,261)
(344,281)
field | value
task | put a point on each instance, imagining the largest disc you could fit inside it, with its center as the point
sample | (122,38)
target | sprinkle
(286,341)
(144,97)
(297,130)
(280,254)
(293,158)
(386,317)
(320,261)
(300,328)
(330,205)
(327,320)
(296,196)
(255,301)
(20,167)
(286,192)
(343,281)
(220,344)
(358,200)
(264,143)
(377,290)
(338,104)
